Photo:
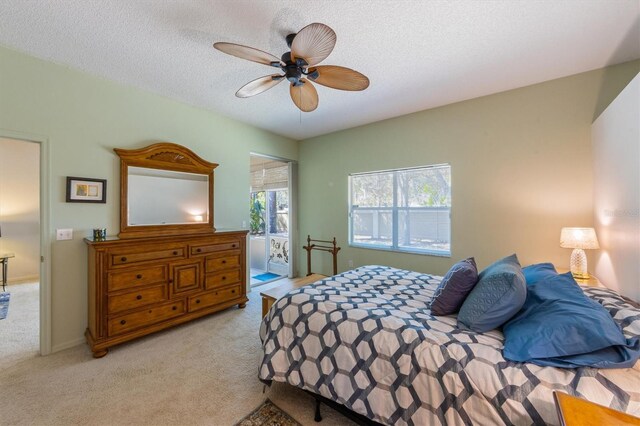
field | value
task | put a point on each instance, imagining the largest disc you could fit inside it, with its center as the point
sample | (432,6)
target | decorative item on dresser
(166,267)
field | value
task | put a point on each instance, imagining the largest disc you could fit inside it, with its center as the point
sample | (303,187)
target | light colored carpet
(203,373)
(19,335)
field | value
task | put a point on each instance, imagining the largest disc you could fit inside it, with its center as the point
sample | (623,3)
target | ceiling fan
(310,46)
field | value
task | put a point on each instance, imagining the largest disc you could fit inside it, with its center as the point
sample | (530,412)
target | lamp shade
(579,238)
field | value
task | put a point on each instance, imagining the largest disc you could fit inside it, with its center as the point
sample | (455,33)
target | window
(402,210)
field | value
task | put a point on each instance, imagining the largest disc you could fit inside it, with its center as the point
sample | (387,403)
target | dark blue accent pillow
(560,326)
(499,294)
(538,272)
(455,287)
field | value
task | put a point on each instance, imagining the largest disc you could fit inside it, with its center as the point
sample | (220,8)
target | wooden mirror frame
(163,156)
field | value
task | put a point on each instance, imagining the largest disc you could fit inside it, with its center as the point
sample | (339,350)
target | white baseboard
(67,345)
(24,279)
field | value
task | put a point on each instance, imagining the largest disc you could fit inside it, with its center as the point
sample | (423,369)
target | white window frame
(395,210)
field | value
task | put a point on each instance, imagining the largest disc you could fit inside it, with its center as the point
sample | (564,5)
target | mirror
(165,197)
(165,189)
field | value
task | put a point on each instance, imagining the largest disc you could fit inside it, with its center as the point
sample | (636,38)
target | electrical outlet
(64,234)
(350,263)
(244,224)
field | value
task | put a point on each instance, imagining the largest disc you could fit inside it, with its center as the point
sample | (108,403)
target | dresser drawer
(136,277)
(135,320)
(148,254)
(137,299)
(227,260)
(203,249)
(214,297)
(221,279)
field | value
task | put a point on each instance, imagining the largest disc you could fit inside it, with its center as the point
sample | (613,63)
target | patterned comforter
(366,339)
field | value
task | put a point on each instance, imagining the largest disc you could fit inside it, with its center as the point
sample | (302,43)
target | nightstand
(592,281)
(574,411)
(269,297)
(4,260)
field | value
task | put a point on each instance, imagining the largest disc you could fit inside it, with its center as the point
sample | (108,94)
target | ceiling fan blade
(304,96)
(248,53)
(259,85)
(338,77)
(313,43)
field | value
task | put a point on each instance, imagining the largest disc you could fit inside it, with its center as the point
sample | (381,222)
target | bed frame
(351,415)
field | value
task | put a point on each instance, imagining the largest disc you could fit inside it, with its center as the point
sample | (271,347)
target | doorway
(20,239)
(271,218)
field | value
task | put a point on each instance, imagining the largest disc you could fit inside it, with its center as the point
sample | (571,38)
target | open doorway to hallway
(19,250)
(270,227)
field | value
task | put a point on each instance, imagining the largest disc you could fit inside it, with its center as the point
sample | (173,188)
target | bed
(366,339)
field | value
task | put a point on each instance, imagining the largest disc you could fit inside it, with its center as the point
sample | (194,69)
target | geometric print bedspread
(367,340)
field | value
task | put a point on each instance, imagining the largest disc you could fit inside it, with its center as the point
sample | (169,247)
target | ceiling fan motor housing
(290,38)
(293,70)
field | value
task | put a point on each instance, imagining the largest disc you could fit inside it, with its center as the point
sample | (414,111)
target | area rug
(265,277)
(4,305)
(268,414)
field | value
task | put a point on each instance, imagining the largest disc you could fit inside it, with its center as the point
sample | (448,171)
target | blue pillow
(499,294)
(560,326)
(537,272)
(454,287)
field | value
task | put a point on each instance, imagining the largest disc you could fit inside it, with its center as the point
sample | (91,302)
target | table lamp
(579,239)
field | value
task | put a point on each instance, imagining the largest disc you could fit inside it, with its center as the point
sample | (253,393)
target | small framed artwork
(86,190)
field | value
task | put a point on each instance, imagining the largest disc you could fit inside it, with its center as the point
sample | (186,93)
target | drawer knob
(197,300)
(175,253)
(233,291)
(224,261)
(139,276)
(123,259)
(170,280)
(198,250)
(175,308)
(224,278)
(216,293)
(123,322)
(139,297)
(233,245)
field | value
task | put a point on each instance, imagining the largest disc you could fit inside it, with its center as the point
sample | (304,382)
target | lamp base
(579,264)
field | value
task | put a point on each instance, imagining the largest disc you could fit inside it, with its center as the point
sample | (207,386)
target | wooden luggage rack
(333,249)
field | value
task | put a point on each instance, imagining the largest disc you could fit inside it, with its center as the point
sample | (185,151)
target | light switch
(64,234)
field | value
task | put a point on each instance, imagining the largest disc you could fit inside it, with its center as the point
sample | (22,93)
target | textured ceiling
(417,54)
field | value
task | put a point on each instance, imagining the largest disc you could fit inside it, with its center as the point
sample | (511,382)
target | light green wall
(521,169)
(84,118)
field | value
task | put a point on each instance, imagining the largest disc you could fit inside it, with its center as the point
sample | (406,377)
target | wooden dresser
(142,285)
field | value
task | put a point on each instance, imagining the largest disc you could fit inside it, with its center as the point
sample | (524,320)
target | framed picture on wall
(86,190)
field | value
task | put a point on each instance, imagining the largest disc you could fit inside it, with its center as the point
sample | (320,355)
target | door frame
(45,235)
(293,208)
